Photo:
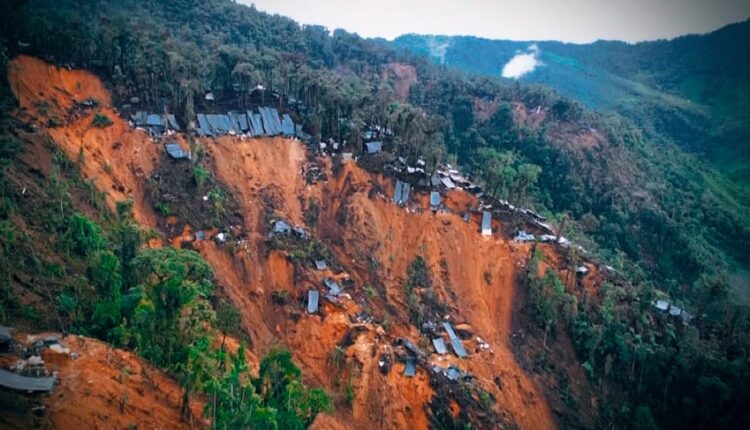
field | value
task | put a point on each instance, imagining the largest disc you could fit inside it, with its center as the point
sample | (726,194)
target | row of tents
(265,122)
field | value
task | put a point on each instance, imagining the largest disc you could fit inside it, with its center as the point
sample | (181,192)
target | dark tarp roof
(313,297)
(374,147)
(300,133)
(5,335)
(15,381)
(439,345)
(411,367)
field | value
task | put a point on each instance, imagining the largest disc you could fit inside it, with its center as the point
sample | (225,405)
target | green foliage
(279,384)
(101,120)
(83,235)
(166,310)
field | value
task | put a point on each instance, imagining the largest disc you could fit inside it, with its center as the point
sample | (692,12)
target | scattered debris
(524,236)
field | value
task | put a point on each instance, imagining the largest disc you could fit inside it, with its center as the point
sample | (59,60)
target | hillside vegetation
(692,90)
(669,224)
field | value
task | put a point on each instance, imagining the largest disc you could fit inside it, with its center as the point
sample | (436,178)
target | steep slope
(371,240)
(97,387)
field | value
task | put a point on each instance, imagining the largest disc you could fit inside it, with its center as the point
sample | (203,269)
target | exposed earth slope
(371,241)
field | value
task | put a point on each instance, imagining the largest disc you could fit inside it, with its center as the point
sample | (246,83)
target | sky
(578,21)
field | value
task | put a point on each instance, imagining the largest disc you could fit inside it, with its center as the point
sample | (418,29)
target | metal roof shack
(320,264)
(313,298)
(18,382)
(487,223)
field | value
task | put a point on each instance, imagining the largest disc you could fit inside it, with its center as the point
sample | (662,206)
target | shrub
(101,121)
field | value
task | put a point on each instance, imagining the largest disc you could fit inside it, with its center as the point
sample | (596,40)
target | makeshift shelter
(175,152)
(434,200)
(373,147)
(313,298)
(458,346)
(487,223)
(287,125)
(281,227)
(411,367)
(18,382)
(320,264)
(401,193)
(439,345)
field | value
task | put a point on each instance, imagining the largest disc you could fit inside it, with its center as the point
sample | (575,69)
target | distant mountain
(693,90)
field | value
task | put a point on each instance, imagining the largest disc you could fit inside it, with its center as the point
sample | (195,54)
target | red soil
(475,276)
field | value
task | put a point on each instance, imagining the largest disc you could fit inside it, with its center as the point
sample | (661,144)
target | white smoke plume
(438,49)
(522,63)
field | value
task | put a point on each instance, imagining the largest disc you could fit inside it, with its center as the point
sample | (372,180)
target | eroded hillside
(370,243)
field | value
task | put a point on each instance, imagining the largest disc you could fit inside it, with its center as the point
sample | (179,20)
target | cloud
(522,63)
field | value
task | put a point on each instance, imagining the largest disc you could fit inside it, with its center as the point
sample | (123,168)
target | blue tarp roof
(269,123)
(204,128)
(256,124)
(374,147)
(15,381)
(276,120)
(287,125)
(487,223)
(175,151)
(313,297)
(411,367)
(458,347)
(320,264)
(401,193)
(439,345)
(434,199)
